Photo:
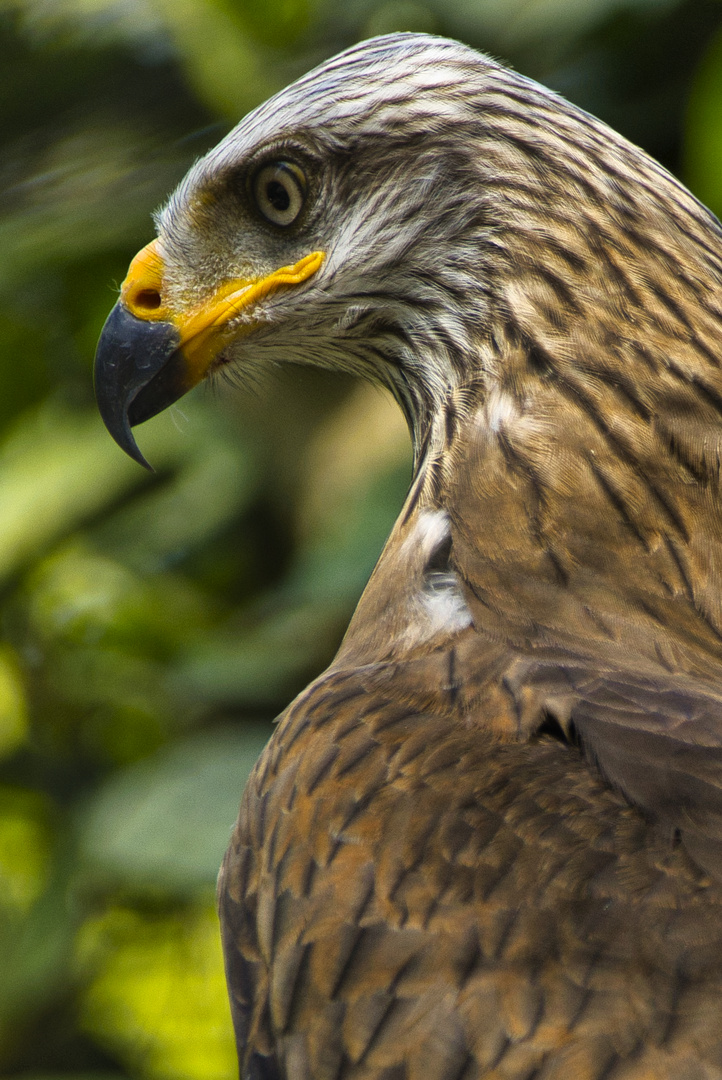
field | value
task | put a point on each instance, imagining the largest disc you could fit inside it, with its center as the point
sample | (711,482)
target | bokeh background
(152,626)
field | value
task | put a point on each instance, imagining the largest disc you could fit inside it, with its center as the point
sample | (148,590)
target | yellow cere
(200,331)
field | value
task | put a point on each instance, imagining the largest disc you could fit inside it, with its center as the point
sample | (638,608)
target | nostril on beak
(146,300)
(142,291)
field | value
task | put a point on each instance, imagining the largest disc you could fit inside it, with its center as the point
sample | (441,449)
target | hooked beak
(149,355)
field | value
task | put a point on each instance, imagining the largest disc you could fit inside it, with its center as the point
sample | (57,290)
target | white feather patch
(439,607)
(431,529)
(445,606)
(500,410)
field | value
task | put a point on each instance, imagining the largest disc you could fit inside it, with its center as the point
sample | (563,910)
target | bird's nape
(487,841)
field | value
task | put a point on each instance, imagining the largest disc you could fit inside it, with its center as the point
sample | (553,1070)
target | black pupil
(277,195)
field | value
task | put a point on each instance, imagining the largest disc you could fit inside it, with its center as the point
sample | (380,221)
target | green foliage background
(153,625)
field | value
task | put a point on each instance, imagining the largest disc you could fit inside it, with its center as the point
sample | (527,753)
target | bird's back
(409,898)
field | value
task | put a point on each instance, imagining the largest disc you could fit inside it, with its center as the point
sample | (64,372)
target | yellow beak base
(150,354)
(204,330)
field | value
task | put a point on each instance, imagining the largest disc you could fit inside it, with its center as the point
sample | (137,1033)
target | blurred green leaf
(58,467)
(277,23)
(35,953)
(703,136)
(92,188)
(165,823)
(517,22)
(221,62)
(301,624)
(400,15)
(262,665)
(218,479)
(97,20)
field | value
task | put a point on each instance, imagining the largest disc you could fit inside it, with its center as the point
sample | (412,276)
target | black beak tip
(125,439)
(115,418)
(131,353)
(117,424)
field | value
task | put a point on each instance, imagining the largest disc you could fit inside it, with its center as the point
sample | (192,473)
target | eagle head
(347,223)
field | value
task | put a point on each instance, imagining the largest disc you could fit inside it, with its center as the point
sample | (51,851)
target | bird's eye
(279,190)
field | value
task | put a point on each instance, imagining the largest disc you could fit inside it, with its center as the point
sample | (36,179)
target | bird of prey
(487,841)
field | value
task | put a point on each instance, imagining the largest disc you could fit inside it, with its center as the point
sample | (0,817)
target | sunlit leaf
(13,703)
(25,846)
(159,996)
